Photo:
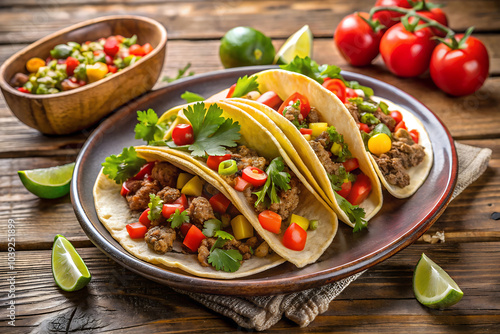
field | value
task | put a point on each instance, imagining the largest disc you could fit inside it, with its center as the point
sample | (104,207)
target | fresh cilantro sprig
(224,259)
(180,74)
(336,137)
(337,180)
(155,206)
(190,97)
(123,166)
(210,227)
(177,218)
(245,85)
(148,127)
(355,214)
(277,178)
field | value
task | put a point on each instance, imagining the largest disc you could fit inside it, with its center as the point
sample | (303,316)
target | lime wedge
(299,44)
(50,182)
(433,287)
(68,268)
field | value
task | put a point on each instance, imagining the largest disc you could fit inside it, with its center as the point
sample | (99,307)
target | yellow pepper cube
(193,187)
(336,148)
(299,220)
(183,179)
(379,144)
(307,137)
(242,228)
(96,72)
(318,128)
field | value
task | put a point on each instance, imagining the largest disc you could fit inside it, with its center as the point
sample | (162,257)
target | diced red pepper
(145,170)
(305,107)
(363,127)
(143,219)
(270,221)
(351,164)
(147,48)
(295,237)
(112,69)
(112,46)
(231,91)
(185,229)
(136,50)
(270,99)
(214,161)
(360,190)
(169,209)
(136,230)
(71,64)
(182,201)
(337,87)
(183,134)
(346,189)
(305,131)
(415,135)
(254,175)
(241,184)
(219,203)
(23,90)
(124,191)
(193,238)
(401,125)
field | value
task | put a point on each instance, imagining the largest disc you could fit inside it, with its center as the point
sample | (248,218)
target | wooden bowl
(77,109)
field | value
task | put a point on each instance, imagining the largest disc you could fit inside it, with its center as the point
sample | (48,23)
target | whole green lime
(245,46)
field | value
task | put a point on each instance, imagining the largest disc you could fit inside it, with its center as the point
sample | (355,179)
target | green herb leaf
(245,85)
(380,128)
(225,260)
(336,137)
(369,119)
(355,85)
(192,97)
(123,166)
(384,107)
(337,180)
(130,41)
(277,178)
(355,214)
(177,218)
(180,74)
(210,227)
(148,128)
(155,206)
(222,237)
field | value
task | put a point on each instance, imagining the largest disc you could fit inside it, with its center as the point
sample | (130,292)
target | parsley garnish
(355,214)
(245,85)
(210,227)
(226,260)
(336,137)
(178,218)
(180,74)
(192,97)
(155,206)
(276,178)
(124,166)
(212,132)
(337,180)
(148,127)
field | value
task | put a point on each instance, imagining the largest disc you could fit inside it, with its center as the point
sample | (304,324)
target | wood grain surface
(119,301)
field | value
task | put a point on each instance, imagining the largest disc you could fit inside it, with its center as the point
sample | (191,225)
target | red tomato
(136,230)
(295,237)
(350,93)
(119,38)
(219,203)
(124,191)
(254,175)
(147,48)
(305,131)
(363,127)
(360,190)
(270,99)
(143,219)
(183,134)
(407,54)
(145,170)
(463,71)
(136,50)
(169,209)
(182,201)
(356,40)
(214,161)
(22,90)
(109,60)
(346,189)
(270,221)
(438,15)
(397,116)
(185,228)
(111,47)
(305,107)
(400,125)
(337,87)
(231,91)
(241,184)
(351,164)
(193,238)
(389,18)
(71,64)
(112,69)
(414,135)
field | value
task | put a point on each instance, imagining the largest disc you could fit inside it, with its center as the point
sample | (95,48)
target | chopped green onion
(228,167)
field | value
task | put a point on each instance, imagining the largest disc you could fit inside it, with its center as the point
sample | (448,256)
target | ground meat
(19,79)
(404,136)
(393,170)
(245,248)
(168,194)
(292,114)
(251,199)
(353,109)
(323,139)
(204,251)
(313,116)
(138,196)
(262,250)
(166,174)
(324,157)
(200,211)
(288,199)
(247,157)
(386,119)
(160,239)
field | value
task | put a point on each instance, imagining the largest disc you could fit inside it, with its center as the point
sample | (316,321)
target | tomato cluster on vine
(413,37)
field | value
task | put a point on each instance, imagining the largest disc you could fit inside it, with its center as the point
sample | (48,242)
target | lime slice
(299,44)
(50,182)
(68,268)
(433,287)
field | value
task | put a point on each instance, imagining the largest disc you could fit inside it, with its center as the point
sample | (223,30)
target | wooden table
(117,300)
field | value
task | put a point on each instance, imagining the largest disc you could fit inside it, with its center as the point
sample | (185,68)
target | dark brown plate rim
(285,278)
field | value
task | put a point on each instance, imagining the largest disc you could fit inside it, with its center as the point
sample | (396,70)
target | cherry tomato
(364,127)
(356,40)
(136,50)
(71,64)
(183,134)
(396,115)
(400,125)
(219,203)
(351,164)
(124,191)
(145,170)
(185,228)
(405,53)
(143,219)
(270,221)
(346,189)
(169,209)
(360,190)
(295,237)
(241,184)
(337,87)
(254,175)
(305,131)
(436,14)
(231,91)
(136,230)
(389,18)
(415,135)
(193,238)
(112,69)
(182,201)
(111,46)
(350,93)
(214,161)
(147,48)
(305,107)
(463,71)
(270,99)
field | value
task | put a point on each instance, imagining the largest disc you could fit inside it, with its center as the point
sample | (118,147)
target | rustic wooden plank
(116,300)
(211,19)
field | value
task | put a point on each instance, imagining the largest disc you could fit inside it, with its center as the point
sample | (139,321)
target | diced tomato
(396,115)
(183,134)
(111,46)
(219,203)
(270,99)
(145,170)
(193,238)
(109,60)
(337,87)
(351,164)
(270,221)
(305,107)
(346,189)
(415,135)
(305,131)
(295,237)
(143,219)
(231,91)
(241,184)
(401,125)
(185,228)
(182,201)
(363,127)
(360,190)
(254,175)
(136,50)
(124,191)
(136,230)
(169,209)
(23,90)
(214,161)
(71,64)
(112,69)
(147,48)
(119,38)
(350,93)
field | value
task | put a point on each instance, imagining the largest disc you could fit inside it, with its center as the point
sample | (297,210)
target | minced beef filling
(244,157)
(160,239)
(245,248)
(404,154)
(321,146)
(200,211)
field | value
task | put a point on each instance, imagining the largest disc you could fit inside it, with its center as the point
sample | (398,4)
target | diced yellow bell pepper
(183,179)
(307,137)
(96,72)
(242,228)
(193,187)
(34,64)
(299,220)
(379,144)
(336,148)
(318,128)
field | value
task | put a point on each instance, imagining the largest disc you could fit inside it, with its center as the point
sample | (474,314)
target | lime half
(50,182)
(68,268)
(245,46)
(299,44)
(433,287)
